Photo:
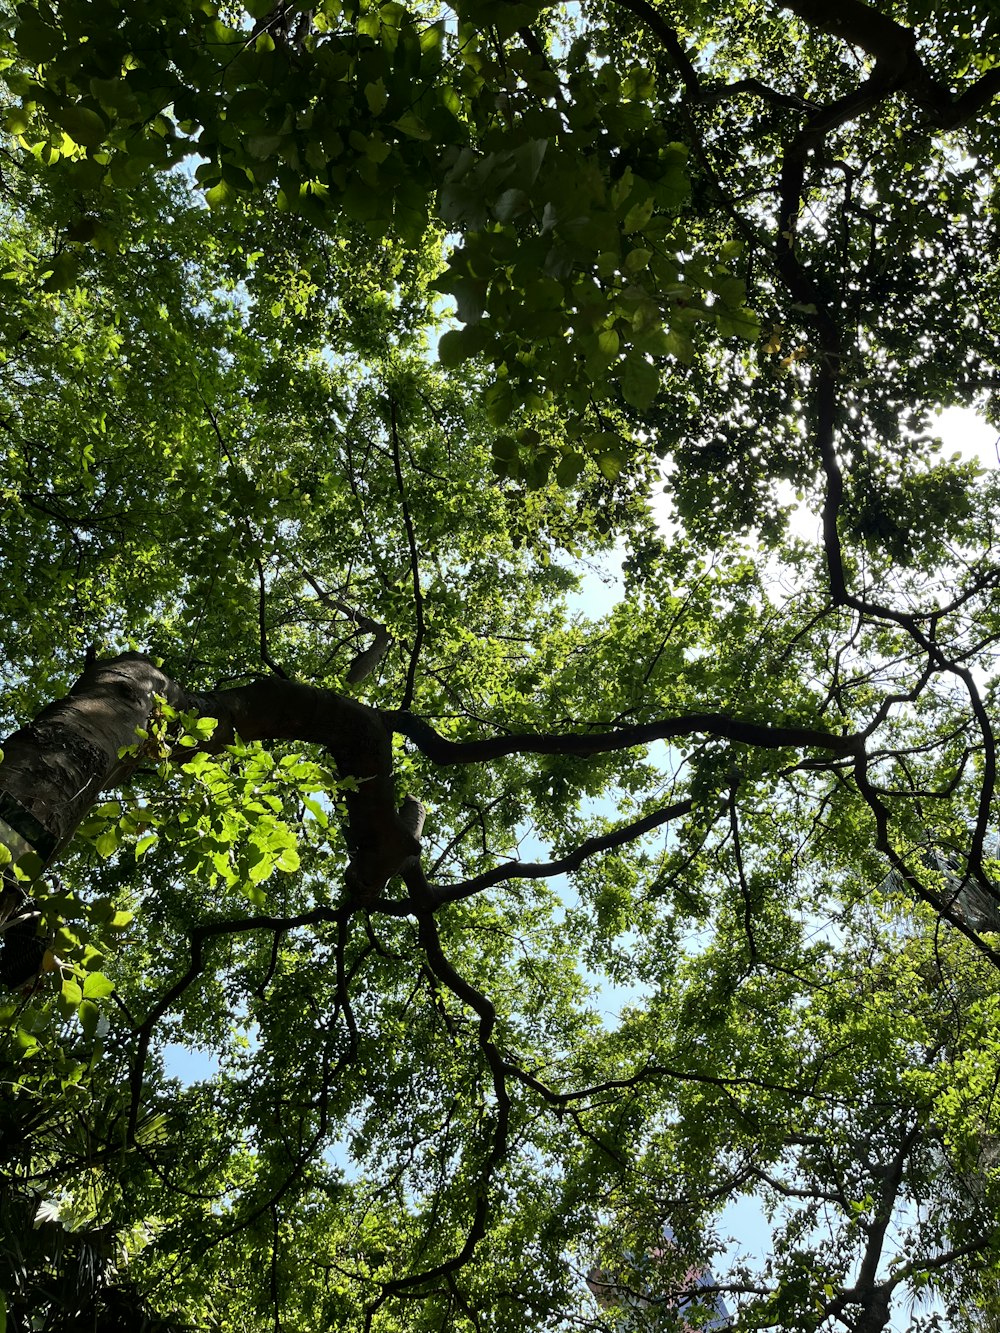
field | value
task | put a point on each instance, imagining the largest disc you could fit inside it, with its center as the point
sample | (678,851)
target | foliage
(343,344)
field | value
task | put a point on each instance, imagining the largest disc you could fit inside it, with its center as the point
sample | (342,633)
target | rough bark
(54,768)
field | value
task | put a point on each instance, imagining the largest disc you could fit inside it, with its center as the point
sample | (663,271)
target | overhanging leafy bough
(55,767)
(83,744)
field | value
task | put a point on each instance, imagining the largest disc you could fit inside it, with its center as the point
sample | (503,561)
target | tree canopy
(344,349)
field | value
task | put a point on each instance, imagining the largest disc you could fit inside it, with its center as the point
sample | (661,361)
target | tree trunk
(876,1308)
(54,768)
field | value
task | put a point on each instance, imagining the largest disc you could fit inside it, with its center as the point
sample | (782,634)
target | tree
(298,488)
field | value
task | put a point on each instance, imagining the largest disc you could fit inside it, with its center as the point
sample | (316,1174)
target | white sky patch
(962,431)
(965,433)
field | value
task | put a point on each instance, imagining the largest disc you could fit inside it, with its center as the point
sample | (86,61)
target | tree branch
(366,661)
(198,938)
(418,597)
(898,65)
(445,972)
(671,43)
(77,746)
(563,865)
(720,725)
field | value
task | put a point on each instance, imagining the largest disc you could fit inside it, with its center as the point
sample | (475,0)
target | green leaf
(36,40)
(288,860)
(678,344)
(738,323)
(499,401)
(609,342)
(457,345)
(529,158)
(638,215)
(412,126)
(29,866)
(376,96)
(88,1015)
(27,1042)
(569,468)
(636,260)
(17,121)
(107,843)
(260,865)
(640,381)
(362,202)
(263,147)
(511,204)
(96,986)
(84,125)
(220,194)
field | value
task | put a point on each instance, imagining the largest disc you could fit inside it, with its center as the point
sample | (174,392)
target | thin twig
(418,599)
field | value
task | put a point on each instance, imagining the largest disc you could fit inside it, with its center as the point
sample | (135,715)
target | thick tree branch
(721,725)
(860,25)
(898,64)
(366,661)
(79,745)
